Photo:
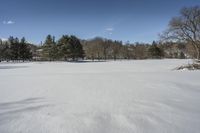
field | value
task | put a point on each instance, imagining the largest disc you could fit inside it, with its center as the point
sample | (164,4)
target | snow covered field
(144,96)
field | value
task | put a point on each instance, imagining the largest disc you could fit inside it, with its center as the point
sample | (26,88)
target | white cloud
(8,22)
(109,29)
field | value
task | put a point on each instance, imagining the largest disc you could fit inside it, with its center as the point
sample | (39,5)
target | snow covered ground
(144,96)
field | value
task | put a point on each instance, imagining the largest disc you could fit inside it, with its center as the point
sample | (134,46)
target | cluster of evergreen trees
(15,49)
(66,48)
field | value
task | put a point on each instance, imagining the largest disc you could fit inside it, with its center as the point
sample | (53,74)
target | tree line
(180,40)
(70,48)
(102,49)
(15,49)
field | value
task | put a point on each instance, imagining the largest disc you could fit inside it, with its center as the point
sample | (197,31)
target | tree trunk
(197,49)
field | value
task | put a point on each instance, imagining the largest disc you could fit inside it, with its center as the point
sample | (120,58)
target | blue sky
(126,20)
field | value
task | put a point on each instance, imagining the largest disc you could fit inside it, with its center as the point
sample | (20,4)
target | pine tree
(54,53)
(182,55)
(70,48)
(47,48)
(14,48)
(155,51)
(63,45)
(75,48)
(6,52)
(24,51)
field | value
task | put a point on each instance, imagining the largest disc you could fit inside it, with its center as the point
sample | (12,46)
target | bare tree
(93,48)
(186,27)
(116,47)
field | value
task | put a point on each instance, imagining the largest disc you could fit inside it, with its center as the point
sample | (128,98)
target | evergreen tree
(4,51)
(70,47)
(47,48)
(54,52)
(24,51)
(155,51)
(75,48)
(182,55)
(7,52)
(63,45)
(14,48)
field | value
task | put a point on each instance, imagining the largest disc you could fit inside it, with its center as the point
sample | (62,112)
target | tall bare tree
(186,27)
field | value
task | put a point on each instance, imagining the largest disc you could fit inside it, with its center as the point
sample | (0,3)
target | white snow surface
(143,96)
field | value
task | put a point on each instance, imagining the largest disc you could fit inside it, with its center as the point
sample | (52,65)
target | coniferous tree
(6,52)
(75,48)
(155,51)
(70,47)
(24,50)
(182,55)
(47,48)
(64,47)
(14,48)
